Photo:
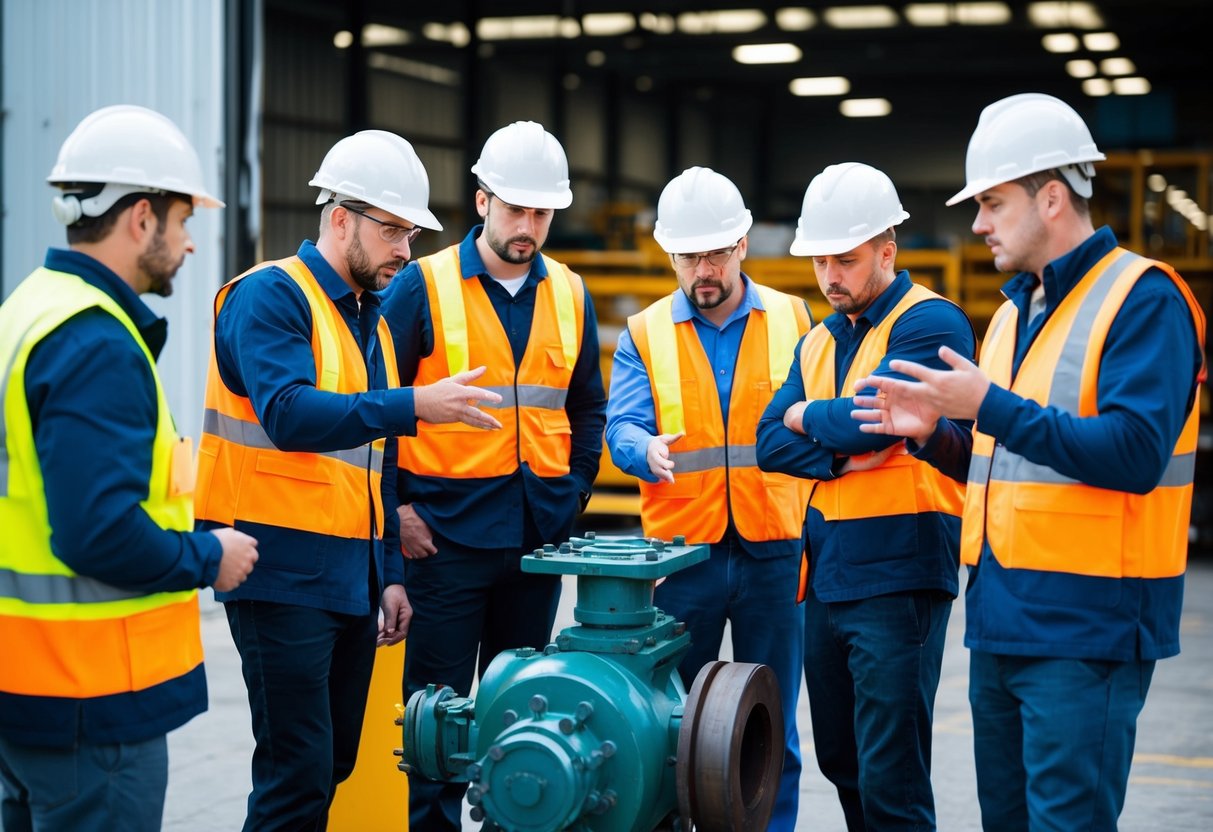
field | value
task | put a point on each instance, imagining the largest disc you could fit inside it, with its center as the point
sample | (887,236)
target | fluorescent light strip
(767,53)
(865,107)
(795,19)
(825,85)
(861,17)
(729,21)
(1065,16)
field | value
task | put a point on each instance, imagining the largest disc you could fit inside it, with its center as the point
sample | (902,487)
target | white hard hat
(127,149)
(846,205)
(525,165)
(1024,134)
(380,169)
(700,210)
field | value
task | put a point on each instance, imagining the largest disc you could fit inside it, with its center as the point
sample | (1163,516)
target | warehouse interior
(637,91)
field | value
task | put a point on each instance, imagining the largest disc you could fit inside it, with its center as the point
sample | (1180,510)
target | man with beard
(692,444)
(1079,470)
(302,392)
(472,504)
(883,527)
(100,648)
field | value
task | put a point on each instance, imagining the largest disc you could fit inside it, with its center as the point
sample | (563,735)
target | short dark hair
(886,236)
(95,229)
(1033,182)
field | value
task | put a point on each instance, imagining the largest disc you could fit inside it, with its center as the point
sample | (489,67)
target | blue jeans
(871,668)
(112,787)
(1053,739)
(758,598)
(308,672)
(467,601)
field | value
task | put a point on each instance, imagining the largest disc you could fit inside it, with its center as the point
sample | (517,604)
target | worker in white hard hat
(100,647)
(473,503)
(883,527)
(691,444)
(303,411)
(1079,473)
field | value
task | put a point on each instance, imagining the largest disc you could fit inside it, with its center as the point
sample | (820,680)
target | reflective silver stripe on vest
(528,395)
(979,469)
(59,589)
(1066,385)
(4,380)
(1009,467)
(705,459)
(252,435)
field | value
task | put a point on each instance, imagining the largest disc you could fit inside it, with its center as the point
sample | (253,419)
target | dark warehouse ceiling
(940,73)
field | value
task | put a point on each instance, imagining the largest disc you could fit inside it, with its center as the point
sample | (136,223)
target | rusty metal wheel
(730,749)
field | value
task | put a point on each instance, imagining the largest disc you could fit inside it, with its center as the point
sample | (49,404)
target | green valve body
(583,733)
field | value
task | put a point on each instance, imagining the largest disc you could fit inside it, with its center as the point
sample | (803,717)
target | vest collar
(151,326)
(1061,275)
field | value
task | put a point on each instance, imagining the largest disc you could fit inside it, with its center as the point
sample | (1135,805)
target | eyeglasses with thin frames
(389,232)
(715,258)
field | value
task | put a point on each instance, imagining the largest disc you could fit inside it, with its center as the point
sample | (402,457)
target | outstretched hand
(912,409)
(658,456)
(454,400)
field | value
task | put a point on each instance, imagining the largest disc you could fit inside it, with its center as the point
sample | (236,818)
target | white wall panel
(62,60)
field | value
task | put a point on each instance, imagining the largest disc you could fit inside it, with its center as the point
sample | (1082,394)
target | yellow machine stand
(376,796)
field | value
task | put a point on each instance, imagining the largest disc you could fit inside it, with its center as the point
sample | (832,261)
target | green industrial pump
(596,732)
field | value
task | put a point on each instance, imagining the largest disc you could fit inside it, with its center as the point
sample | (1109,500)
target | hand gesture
(453,400)
(913,408)
(239,555)
(658,456)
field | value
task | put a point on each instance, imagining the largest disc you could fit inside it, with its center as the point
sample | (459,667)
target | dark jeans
(467,601)
(872,668)
(112,787)
(307,672)
(758,598)
(1053,739)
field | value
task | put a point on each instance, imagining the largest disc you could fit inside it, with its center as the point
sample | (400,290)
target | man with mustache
(100,647)
(473,503)
(299,448)
(691,444)
(1079,470)
(883,528)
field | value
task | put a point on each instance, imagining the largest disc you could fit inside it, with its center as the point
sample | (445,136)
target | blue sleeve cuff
(996,415)
(401,414)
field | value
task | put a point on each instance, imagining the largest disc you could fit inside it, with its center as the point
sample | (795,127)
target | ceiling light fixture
(795,19)
(825,85)
(767,53)
(1064,16)
(861,17)
(729,21)
(865,107)
(1097,87)
(1101,41)
(1134,85)
(1117,66)
(1081,68)
(607,24)
(1060,42)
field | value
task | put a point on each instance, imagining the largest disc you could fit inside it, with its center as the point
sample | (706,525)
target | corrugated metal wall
(62,60)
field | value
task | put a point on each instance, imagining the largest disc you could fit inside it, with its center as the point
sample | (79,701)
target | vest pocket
(294,491)
(1062,529)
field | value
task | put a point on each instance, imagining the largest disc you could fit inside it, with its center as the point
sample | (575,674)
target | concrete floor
(1171,787)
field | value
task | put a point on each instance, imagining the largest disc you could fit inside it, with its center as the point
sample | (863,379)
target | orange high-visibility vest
(67,635)
(902,484)
(467,333)
(1036,518)
(243,476)
(715,466)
